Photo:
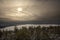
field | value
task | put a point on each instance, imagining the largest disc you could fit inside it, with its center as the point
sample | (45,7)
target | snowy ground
(28,25)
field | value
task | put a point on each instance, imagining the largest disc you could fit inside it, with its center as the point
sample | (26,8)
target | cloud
(34,10)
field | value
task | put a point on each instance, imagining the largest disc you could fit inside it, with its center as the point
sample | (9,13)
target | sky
(32,11)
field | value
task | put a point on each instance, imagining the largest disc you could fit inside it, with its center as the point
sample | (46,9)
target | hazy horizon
(13,12)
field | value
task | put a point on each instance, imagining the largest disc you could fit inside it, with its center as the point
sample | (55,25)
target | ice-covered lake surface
(28,25)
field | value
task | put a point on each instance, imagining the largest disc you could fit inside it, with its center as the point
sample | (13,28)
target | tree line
(32,33)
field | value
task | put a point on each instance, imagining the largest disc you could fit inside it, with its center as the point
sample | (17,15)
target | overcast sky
(33,11)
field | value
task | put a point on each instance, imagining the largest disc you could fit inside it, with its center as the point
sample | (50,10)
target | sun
(19,9)
(19,12)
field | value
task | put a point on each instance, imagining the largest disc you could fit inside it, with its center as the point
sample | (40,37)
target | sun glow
(19,12)
(19,9)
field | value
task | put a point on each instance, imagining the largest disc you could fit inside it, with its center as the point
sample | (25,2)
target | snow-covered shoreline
(28,25)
